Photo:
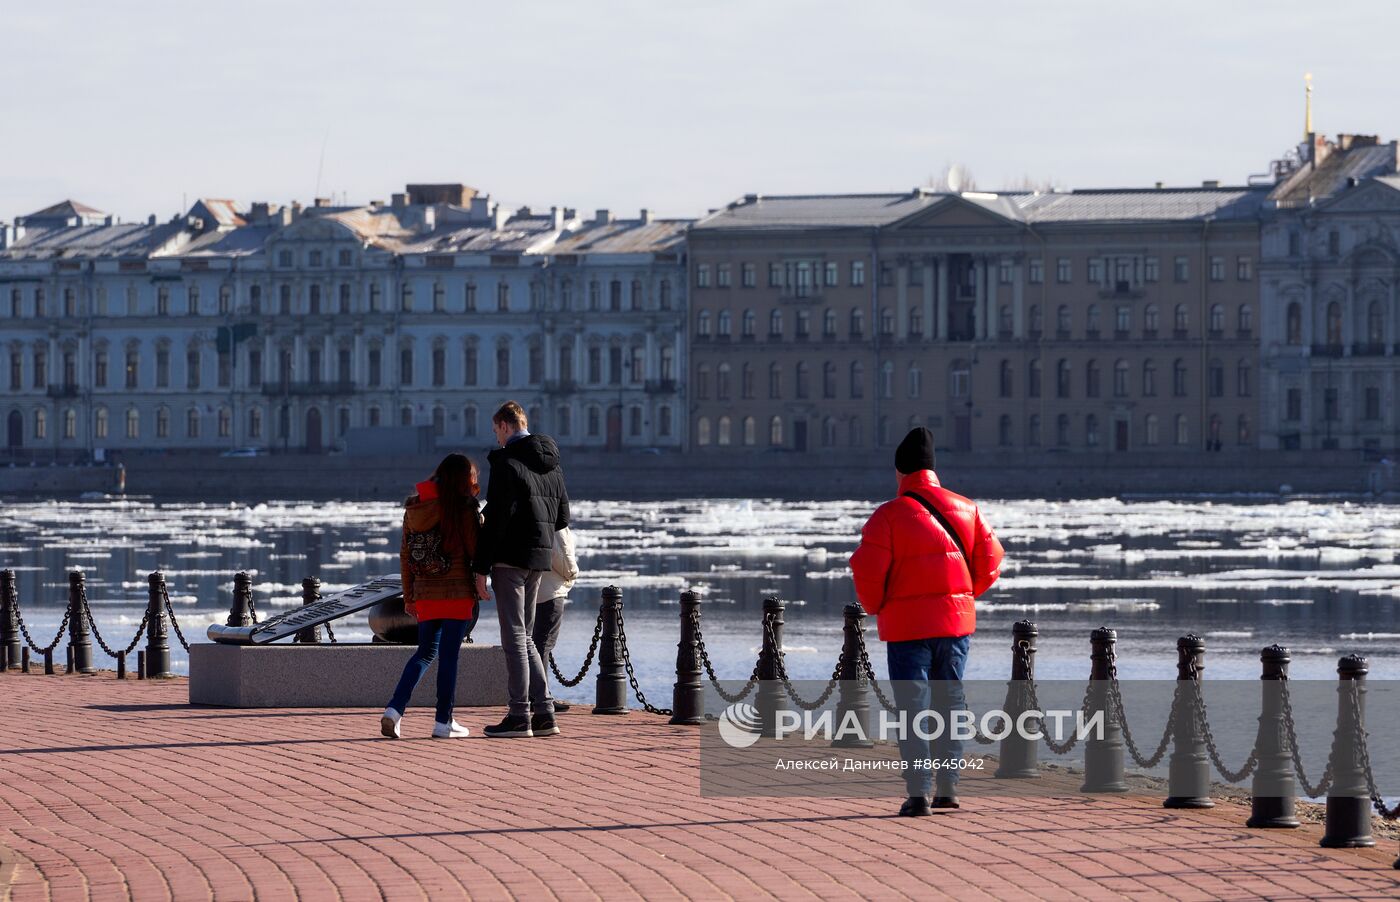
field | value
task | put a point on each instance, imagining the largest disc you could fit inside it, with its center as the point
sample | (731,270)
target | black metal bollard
(79,634)
(852,693)
(770,697)
(140,664)
(9,617)
(1273,788)
(48,662)
(155,660)
(1103,754)
(611,697)
(310,594)
(121,665)
(240,613)
(1188,770)
(1348,821)
(1018,753)
(688,695)
(68,663)
(24,660)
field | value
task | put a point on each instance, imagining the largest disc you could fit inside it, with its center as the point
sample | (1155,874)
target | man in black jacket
(526,504)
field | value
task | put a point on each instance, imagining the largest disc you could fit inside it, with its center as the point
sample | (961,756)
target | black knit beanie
(915,452)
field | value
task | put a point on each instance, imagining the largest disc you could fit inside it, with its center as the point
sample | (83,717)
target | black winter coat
(526,504)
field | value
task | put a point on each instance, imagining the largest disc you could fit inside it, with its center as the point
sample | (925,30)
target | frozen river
(1318,576)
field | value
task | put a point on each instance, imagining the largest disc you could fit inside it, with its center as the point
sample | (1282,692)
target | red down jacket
(908,571)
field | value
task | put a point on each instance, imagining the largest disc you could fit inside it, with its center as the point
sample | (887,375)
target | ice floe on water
(1312,574)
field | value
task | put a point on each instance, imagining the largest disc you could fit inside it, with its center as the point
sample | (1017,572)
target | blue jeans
(927,675)
(432,635)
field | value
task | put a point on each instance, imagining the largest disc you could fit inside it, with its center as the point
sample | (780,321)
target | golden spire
(1307,107)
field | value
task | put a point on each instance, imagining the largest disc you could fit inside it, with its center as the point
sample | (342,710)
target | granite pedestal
(338,675)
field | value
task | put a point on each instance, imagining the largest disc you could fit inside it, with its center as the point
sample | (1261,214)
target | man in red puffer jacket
(923,559)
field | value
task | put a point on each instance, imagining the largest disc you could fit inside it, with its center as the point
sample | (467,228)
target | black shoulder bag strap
(948,527)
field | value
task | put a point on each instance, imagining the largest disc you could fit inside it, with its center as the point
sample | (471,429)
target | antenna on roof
(1307,107)
(321,164)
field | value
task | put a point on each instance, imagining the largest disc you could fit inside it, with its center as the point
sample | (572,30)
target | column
(298,358)
(942,296)
(901,312)
(653,370)
(983,291)
(930,324)
(1390,316)
(551,362)
(1018,301)
(993,270)
(1349,317)
(1310,314)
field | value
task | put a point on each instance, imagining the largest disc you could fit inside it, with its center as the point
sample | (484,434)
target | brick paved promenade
(114,790)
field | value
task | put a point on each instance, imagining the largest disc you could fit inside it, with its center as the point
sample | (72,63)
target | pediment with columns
(955,212)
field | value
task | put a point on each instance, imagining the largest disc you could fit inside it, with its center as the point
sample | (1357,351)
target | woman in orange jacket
(440,527)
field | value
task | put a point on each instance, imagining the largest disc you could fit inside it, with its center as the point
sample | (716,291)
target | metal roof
(814,211)
(625,236)
(867,210)
(75,242)
(1331,176)
(1145,205)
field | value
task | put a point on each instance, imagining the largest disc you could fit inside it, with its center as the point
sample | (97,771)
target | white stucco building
(288,327)
(1330,299)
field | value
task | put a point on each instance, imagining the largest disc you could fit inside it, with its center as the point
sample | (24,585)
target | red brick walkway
(115,790)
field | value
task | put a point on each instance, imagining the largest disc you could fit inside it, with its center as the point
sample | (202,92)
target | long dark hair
(456,479)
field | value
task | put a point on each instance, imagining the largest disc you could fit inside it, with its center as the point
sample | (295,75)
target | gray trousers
(527,686)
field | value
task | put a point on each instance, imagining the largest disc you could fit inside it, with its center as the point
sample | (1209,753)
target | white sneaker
(389,724)
(452,730)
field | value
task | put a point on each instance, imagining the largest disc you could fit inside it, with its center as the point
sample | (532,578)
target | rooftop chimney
(557,214)
(296,210)
(376,204)
(321,202)
(398,200)
(151,220)
(646,216)
(1211,183)
(570,213)
(1158,186)
(752,198)
(602,217)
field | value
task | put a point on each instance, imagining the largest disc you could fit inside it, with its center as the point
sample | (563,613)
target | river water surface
(1319,576)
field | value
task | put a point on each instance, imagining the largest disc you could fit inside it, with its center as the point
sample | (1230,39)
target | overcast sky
(138,107)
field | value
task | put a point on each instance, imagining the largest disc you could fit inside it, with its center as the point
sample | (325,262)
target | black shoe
(514,726)
(561,707)
(543,724)
(915,806)
(948,801)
